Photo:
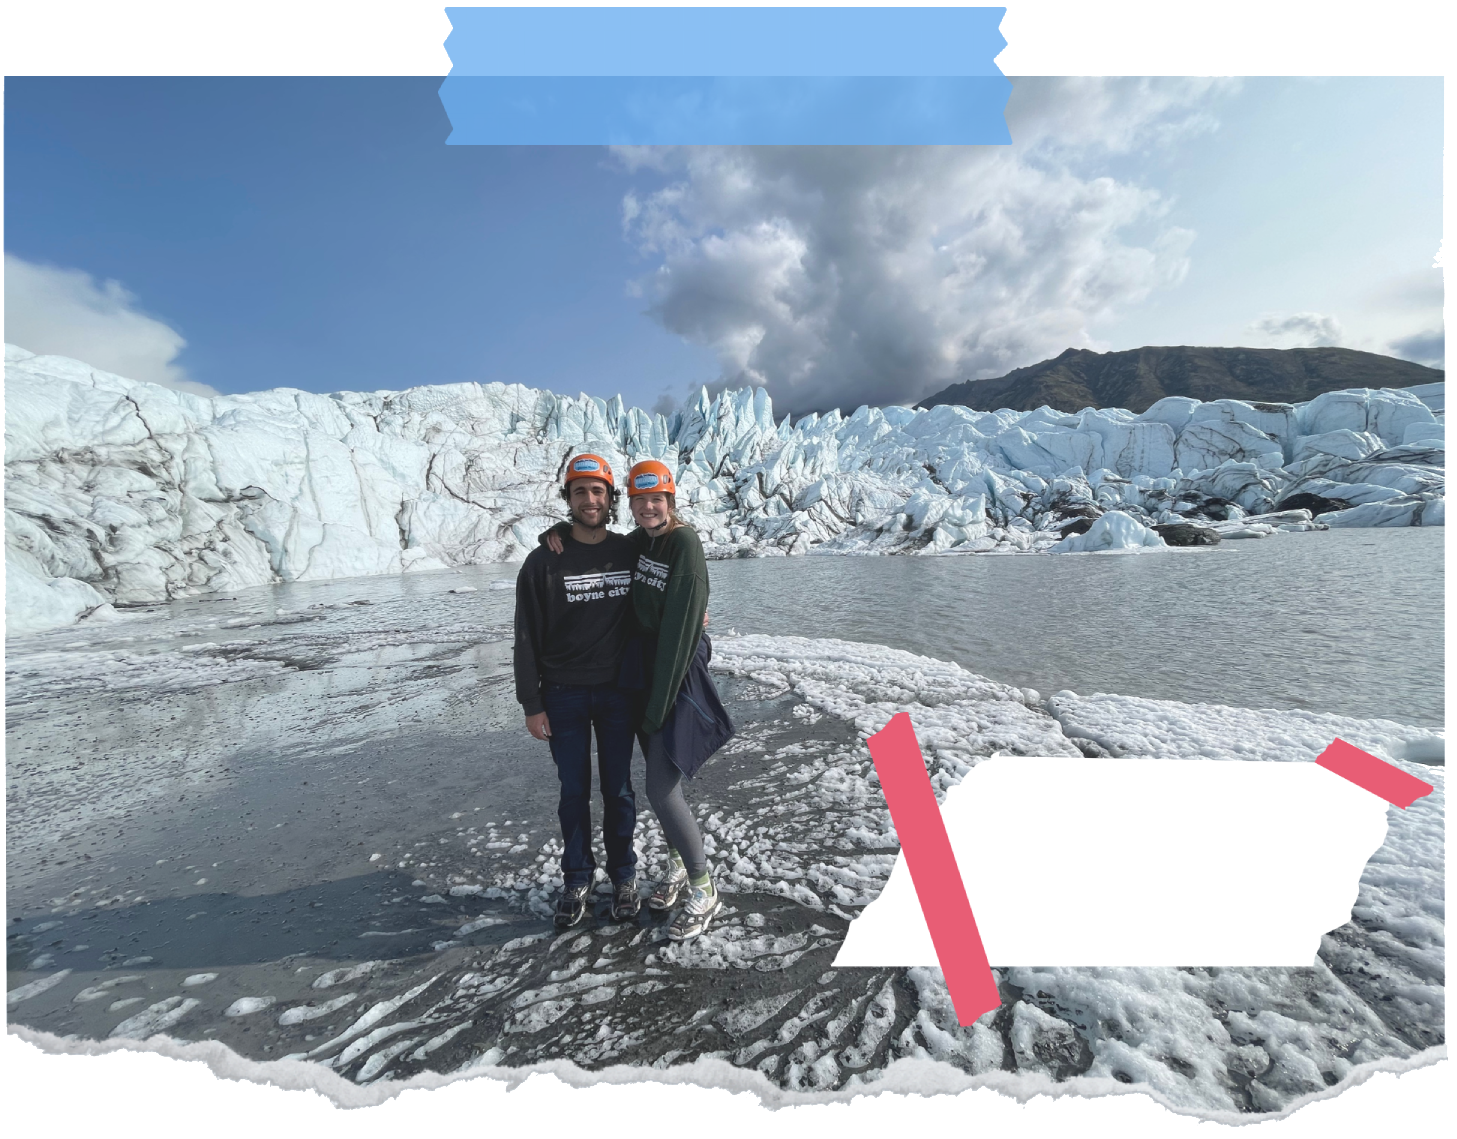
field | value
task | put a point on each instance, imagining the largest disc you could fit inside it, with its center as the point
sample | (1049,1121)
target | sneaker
(666,894)
(572,906)
(625,900)
(697,912)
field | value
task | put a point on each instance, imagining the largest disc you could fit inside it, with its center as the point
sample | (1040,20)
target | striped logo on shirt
(651,573)
(596,586)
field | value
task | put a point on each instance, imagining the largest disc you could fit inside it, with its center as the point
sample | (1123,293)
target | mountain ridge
(1137,378)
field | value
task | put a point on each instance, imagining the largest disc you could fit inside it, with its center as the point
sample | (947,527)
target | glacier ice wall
(120,492)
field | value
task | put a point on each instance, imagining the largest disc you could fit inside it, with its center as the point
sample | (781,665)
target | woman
(681,721)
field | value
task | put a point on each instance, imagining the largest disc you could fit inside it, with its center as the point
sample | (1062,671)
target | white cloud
(1300,330)
(67,312)
(844,275)
(1088,117)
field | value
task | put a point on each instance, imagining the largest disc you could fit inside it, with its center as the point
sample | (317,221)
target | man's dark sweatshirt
(573,615)
(669,598)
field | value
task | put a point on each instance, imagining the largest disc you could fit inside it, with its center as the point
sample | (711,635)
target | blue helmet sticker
(645,481)
(586,464)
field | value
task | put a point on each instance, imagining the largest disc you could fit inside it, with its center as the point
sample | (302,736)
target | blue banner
(685,76)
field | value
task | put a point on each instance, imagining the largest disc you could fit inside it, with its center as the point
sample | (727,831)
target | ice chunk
(1174,410)
(1400,510)
(471,927)
(1343,444)
(301,1013)
(1433,395)
(154,1019)
(35,988)
(1208,442)
(36,600)
(1111,531)
(344,976)
(247,1006)
(1424,433)
(1386,413)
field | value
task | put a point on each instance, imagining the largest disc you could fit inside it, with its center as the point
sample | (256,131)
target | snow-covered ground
(125,493)
(306,821)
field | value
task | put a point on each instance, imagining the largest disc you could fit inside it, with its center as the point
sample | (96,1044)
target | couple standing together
(609,639)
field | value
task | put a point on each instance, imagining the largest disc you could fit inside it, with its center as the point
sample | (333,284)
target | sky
(233,235)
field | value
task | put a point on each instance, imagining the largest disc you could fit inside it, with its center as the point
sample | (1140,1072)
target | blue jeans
(573,711)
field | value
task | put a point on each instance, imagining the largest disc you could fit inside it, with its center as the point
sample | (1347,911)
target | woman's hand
(554,541)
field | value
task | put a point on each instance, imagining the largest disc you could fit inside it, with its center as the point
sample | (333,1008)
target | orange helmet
(650,477)
(588,467)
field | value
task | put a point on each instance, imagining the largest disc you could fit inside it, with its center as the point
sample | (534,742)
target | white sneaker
(703,902)
(665,895)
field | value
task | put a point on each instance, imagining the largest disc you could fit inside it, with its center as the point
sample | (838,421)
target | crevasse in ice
(123,492)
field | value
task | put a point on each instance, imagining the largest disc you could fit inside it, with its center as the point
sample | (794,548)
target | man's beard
(598,525)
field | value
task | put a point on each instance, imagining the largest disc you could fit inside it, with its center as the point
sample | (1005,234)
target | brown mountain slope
(1139,378)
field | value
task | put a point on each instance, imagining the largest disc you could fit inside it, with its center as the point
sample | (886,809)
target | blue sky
(317,233)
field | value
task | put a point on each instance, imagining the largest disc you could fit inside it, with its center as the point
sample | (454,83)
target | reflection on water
(1344,621)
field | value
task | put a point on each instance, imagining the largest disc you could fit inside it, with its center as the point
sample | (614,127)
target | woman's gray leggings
(665,793)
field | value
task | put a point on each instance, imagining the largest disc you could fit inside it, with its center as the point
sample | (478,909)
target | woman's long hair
(674,518)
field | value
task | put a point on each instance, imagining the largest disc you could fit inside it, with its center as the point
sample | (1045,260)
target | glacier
(123,493)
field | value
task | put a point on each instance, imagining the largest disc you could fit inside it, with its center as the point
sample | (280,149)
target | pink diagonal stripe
(1375,775)
(933,868)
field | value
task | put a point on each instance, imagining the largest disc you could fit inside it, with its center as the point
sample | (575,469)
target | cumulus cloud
(837,276)
(1429,348)
(1299,330)
(67,312)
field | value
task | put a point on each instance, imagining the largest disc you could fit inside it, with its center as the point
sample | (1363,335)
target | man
(573,618)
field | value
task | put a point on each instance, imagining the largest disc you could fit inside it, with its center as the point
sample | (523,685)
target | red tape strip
(1375,775)
(933,869)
